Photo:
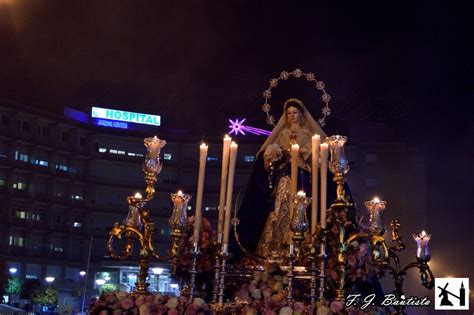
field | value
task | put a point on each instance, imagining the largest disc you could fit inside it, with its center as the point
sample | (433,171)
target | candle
(230,187)
(225,166)
(200,189)
(315,143)
(295,148)
(324,182)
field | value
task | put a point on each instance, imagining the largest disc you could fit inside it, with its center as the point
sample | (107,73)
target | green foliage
(46,296)
(13,286)
(108,287)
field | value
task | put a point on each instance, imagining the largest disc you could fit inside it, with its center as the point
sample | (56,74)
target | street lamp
(82,273)
(49,280)
(100,282)
(12,270)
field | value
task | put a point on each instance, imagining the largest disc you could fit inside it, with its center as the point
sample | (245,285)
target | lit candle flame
(301,193)
(138,195)
(376,199)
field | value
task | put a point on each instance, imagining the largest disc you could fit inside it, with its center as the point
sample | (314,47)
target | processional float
(307,262)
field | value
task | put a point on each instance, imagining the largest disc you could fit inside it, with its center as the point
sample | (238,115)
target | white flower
(256,294)
(273,82)
(321,122)
(267,94)
(285,311)
(172,303)
(199,302)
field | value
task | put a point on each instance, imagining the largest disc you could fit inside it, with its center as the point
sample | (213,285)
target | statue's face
(293,115)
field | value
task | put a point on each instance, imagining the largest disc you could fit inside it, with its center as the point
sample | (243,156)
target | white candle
(230,188)
(324,176)
(295,148)
(315,143)
(225,166)
(200,189)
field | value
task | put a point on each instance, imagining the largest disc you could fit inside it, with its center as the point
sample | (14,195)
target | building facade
(64,183)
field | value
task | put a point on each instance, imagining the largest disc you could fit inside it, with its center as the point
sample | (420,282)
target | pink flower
(127,303)
(173,312)
(336,306)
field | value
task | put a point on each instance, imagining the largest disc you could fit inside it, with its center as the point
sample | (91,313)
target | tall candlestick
(324,182)
(200,189)
(225,166)
(315,143)
(295,148)
(230,188)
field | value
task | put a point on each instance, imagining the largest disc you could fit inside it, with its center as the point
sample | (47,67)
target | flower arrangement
(204,264)
(121,303)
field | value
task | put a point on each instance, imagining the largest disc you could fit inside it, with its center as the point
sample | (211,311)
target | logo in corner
(451,294)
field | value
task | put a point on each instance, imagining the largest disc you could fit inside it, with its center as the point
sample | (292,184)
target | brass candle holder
(178,220)
(138,225)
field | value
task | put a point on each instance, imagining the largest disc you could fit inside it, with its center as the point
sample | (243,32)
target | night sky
(197,63)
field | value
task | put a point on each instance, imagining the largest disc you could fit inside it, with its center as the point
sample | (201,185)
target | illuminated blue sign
(120,115)
(111,123)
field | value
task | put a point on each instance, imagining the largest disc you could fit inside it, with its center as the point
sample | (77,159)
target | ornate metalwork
(399,272)
(138,225)
(178,220)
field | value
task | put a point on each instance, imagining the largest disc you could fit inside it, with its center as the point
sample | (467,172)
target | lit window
(16,241)
(19,185)
(77,224)
(57,249)
(61,167)
(39,162)
(21,156)
(190,208)
(212,158)
(102,150)
(31,277)
(139,154)
(113,151)
(131,154)
(20,214)
(34,216)
(2,182)
(120,152)
(210,208)
(249,158)
(167,156)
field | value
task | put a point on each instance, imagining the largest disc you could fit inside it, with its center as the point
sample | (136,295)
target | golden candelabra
(138,225)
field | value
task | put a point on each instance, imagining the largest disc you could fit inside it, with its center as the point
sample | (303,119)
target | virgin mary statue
(264,213)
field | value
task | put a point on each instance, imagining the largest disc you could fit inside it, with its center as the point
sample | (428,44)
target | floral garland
(123,303)
(266,294)
(297,73)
